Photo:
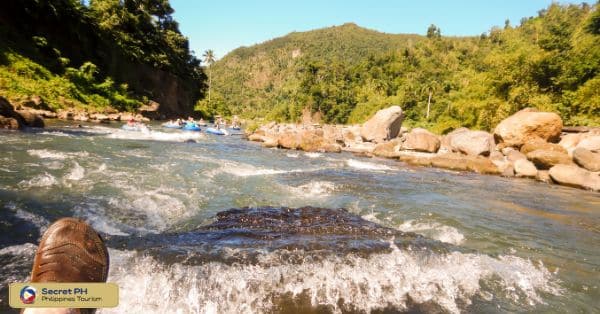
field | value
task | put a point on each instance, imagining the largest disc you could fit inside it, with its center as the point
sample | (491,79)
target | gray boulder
(383,126)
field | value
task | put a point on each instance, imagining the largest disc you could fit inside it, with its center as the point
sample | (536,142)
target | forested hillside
(97,55)
(550,61)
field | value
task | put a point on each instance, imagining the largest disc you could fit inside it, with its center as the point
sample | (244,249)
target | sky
(223,25)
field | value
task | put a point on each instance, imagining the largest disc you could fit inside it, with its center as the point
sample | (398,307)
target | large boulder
(383,126)
(365,148)
(472,143)
(351,135)
(546,159)
(289,140)
(421,140)
(527,125)
(525,168)
(570,141)
(571,175)
(587,159)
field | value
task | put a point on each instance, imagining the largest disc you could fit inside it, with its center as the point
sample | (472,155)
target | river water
(207,224)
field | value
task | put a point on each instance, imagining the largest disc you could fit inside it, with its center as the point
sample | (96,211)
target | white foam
(77,172)
(56,133)
(290,155)
(41,180)
(365,283)
(434,230)
(246,170)
(157,136)
(314,189)
(20,249)
(313,155)
(363,165)
(47,154)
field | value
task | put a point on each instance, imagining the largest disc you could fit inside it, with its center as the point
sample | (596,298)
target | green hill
(346,72)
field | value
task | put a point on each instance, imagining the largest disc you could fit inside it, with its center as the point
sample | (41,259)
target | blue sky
(225,25)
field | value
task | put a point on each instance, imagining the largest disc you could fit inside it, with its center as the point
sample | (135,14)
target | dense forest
(550,61)
(97,55)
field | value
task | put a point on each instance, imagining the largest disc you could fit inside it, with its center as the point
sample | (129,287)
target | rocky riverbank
(528,144)
(32,112)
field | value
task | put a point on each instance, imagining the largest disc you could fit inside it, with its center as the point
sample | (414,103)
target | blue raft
(215,131)
(191,127)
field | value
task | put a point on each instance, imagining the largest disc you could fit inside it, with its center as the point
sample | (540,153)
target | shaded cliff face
(71,36)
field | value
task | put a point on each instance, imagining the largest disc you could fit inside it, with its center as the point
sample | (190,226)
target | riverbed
(330,232)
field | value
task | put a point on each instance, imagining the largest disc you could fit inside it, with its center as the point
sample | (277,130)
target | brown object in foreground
(70,251)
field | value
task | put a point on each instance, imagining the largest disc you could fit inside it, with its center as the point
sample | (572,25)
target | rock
(472,143)
(421,140)
(99,117)
(570,141)
(256,137)
(543,176)
(36,102)
(9,115)
(126,116)
(360,148)
(455,161)
(289,140)
(389,149)
(527,125)
(445,143)
(507,170)
(542,145)
(150,110)
(270,142)
(81,116)
(546,159)
(333,133)
(591,143)
(65,115)
(525,168)
(114,116)
(587,159)
(571,175)
(351,135)
(515,155)
(384,125)
(31,119)
(9,123)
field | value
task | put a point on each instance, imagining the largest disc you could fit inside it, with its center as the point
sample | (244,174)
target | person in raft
(70,251)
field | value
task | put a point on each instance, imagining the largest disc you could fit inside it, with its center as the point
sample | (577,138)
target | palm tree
(209,58)
(430,87)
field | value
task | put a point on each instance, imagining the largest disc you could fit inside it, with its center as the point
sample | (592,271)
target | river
(207,224)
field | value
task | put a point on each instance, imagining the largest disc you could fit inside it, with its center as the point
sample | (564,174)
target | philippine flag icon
(27,295)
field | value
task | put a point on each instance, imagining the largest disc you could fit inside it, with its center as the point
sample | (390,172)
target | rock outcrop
(383,126)
(525,168)
(527,125)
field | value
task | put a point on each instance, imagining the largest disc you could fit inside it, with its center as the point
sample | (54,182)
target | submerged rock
(383,126)
(571,175)
(8,123)
(527,125)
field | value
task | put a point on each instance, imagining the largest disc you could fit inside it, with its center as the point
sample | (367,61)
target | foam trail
(47,154)
(314,189)
(77,173)
(366,165)
(313,155)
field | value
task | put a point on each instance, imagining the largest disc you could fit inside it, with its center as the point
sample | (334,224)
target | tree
(430,87)
(434,31)
(209,58)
